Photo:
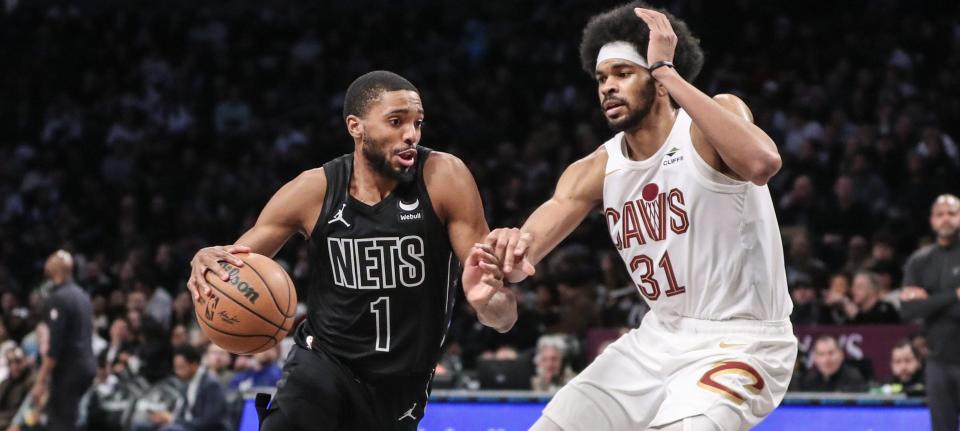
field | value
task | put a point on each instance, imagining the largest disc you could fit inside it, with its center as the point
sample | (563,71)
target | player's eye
(418,124)
(624,74)
(394,121)
(601,79)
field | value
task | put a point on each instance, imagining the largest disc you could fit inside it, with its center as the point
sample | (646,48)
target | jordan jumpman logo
(339,217)
(409,414)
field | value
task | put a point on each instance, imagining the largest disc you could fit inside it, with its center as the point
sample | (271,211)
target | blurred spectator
(829,372)
(837,301)
(907,370)
(218,364)
(807,308)
(119,339)
(867,307)
(802,264)
(259,370)
(552,370)
(205,408)
(930,294)
(15,387)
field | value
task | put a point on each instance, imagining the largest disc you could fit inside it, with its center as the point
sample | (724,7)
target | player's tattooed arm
(579,191)
(723,131)
(287,213)
(457,201)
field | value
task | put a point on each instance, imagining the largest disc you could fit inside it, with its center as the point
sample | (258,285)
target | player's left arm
(456,200)
(723,131)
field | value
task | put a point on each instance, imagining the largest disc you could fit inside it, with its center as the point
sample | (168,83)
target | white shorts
(734,372)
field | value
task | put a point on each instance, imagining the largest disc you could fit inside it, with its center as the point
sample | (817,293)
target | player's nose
(410,135)
(609,87)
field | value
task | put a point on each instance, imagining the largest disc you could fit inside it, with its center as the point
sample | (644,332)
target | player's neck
(651,134)
(366,185)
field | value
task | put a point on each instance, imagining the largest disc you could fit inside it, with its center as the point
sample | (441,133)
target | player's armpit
(292,209)
(579,190)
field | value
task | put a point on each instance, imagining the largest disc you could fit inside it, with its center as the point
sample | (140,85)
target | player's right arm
(292,209)
(579,191)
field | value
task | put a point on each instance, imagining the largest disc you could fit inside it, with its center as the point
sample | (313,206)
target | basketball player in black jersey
(387,226)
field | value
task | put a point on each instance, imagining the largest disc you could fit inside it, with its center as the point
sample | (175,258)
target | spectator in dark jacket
(829,373)
(206,406)
(16,386)
(907,370)
(867,307)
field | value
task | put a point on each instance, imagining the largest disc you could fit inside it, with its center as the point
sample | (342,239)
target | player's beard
(379,161)
(632,120)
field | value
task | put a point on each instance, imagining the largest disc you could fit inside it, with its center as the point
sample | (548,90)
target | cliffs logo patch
(673,156)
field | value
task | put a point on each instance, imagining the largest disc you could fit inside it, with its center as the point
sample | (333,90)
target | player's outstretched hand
(206,260)
(510,246)
(663,41)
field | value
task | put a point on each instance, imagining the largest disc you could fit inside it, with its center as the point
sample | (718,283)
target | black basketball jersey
(382,277)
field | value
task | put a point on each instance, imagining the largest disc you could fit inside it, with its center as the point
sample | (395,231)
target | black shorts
(317,392)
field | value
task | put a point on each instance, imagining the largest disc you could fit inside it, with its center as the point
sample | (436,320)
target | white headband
(622,50)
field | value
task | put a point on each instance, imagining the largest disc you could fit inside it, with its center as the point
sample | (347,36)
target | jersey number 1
(381,311)
(649,286)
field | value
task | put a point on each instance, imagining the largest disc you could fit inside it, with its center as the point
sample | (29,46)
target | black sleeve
(924,308)
(910,275)
(213,408)
(56,319)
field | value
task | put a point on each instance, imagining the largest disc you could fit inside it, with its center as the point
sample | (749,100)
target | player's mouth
(406,158)
(613,107)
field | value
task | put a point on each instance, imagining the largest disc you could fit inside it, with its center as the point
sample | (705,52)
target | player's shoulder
(442,164)
(311,178)
(595,162)
(309,185)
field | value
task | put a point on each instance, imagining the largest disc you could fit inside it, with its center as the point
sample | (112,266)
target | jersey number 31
(648,285)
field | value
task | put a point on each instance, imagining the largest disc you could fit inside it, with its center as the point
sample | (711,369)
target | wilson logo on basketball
(242,286)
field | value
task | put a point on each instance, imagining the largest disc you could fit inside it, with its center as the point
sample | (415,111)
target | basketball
(253,310)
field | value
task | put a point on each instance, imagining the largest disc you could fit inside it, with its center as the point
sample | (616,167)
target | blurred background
(134,133)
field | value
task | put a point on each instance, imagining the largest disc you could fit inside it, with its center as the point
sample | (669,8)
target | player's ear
(354,126)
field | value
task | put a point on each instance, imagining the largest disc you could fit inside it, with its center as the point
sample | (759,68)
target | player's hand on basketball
(207,259)
(510,247)
(663,40)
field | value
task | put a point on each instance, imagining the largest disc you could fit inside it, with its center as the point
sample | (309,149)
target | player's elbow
(765,167)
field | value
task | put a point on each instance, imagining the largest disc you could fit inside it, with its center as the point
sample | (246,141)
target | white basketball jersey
(697,243)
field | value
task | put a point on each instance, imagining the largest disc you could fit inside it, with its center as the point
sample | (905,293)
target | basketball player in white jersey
(683,189)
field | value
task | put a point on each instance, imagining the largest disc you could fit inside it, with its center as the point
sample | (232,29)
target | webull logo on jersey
(377,263)
(647,218)
(408,208)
